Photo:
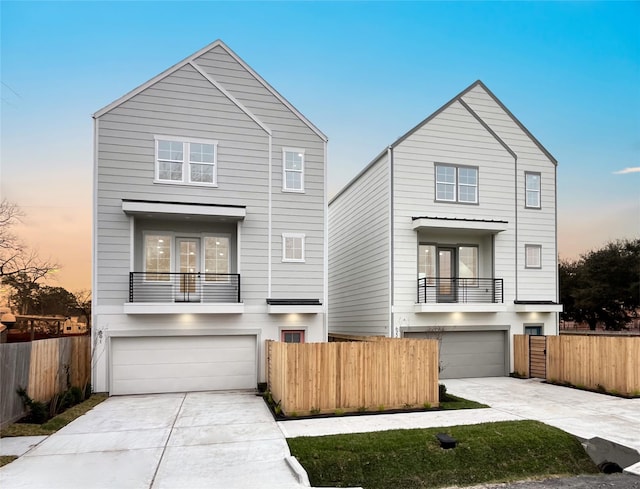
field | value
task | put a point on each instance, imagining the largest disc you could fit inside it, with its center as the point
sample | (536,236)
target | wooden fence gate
(538,357)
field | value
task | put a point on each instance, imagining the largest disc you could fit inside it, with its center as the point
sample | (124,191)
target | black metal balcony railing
(184,287)
(434,290)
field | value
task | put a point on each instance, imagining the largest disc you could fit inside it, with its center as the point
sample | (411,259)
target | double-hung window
(532,256)
(292,170)
(186,161)
(293,247)
(457,184)
(532,190)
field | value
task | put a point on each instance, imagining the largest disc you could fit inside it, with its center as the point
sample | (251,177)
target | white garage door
(470,353)
(148,365)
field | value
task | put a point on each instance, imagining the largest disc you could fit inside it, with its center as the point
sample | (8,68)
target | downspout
(325,282)
(555,205)
(94,253)
(269,205)
(516,216)
(391,241)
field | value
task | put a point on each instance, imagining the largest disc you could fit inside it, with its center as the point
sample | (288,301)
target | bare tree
(15,256)
(83,304)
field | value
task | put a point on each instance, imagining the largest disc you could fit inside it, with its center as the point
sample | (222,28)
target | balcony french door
(446,287)
(188,264)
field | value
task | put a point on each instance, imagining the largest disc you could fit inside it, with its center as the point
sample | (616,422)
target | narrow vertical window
(157,257)
(532,190)
(468,266)
(216,258)
(293,247)
(533,256)
(427,263)
(293,170)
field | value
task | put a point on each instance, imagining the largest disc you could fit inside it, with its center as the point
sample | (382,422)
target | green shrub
(38,411)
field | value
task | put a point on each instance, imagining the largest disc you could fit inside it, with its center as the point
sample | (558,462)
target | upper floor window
(532,256)
(532,189)
(293,247)
(293,170)
(457,184)
(185,161)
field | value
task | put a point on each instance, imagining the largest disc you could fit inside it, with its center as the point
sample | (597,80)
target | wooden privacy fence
(45,368)
(594,362)
(351,376)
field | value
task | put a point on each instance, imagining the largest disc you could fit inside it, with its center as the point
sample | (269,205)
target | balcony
(155,292)
(457,294)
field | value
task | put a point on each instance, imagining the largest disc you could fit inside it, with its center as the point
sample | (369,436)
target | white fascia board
(537,307)
(454,307)
(130,207)
(188,308)
(295,309)
(429,223)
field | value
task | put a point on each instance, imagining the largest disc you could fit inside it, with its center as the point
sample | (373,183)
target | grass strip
(55,423)
(412,459)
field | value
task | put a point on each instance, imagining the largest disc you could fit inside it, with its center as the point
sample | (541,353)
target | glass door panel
(188,266)
(446,274)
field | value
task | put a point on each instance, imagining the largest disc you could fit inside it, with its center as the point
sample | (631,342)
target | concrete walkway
(194,440)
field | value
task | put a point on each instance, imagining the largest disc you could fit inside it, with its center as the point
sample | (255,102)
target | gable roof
(457,98)
(191,60)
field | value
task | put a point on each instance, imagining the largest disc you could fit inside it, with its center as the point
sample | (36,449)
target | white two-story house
(450,232)
(209,229)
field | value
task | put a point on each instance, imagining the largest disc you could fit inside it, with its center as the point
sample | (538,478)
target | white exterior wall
(535,226)
(454,136)
(359,247)
(185,104)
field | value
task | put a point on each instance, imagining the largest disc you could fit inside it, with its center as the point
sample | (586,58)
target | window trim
(286,150)
(540,326)
(186,161)
(301,332)
(538,190)
(456,183)
(526,256)
(286,236)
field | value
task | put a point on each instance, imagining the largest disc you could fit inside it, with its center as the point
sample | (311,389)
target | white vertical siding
(359,245)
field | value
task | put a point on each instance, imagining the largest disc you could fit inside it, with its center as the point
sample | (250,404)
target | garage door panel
(179,364)
(469,353)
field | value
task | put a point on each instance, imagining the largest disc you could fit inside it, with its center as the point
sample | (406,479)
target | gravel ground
(600,481)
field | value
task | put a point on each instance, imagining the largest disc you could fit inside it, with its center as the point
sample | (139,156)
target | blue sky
(363,72)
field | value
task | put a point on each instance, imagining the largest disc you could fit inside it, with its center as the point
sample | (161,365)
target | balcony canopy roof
(482,225)
(185,210)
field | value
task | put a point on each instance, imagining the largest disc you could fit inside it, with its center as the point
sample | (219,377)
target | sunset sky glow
(362,72)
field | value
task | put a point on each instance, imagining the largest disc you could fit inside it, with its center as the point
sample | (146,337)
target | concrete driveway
(581,413)
(193,440)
